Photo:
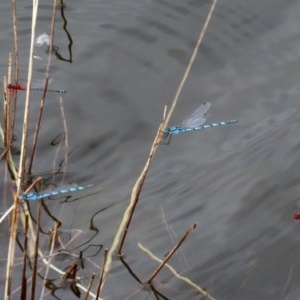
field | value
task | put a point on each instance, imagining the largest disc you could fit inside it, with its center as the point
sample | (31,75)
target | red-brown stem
(170,254)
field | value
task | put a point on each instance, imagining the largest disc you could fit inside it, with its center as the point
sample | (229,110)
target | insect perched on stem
(20,87)
(194,122)
(55,193)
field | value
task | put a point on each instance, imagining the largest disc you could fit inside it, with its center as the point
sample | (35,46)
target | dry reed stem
(7,213)
(15,29)
(3,154)
(16,69)
(38,125)
(19,177)
(6,136)
(10,161)
(7,109)
(56,225)
(2,133)
(63,117)
(89,286)
(11,249)
(24,278)
(102,273)
(14,224)
(36,251)
(21,172)
(122,231)
(176,274)
(42,102)
(6,114)
(171,253)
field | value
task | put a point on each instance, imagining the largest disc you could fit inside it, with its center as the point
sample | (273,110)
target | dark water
(240,183)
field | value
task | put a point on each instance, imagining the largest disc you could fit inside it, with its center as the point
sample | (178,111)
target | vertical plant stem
(89,286)
(11,249)
(7,121)
(24,278)
(66,139)
(13,101)
(102,274)
(21,172)
(38,125)
(48,264)
(36,251)
(120,236)
(15,28)
(42,102)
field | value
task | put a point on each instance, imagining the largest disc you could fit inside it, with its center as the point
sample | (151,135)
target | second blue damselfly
(55,193)
(195,122)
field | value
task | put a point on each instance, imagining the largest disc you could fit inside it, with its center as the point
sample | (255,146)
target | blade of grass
(11,250)
(21,172)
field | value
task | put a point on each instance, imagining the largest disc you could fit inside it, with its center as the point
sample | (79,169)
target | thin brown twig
(123,229)
(89,286)
(38,125)
(36,252)
(66,138)
(13,101)
(24,278)
(3,154)
(33,184)
(102,274)
(42,102)
(8,132)
(16,48)
(171,253)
